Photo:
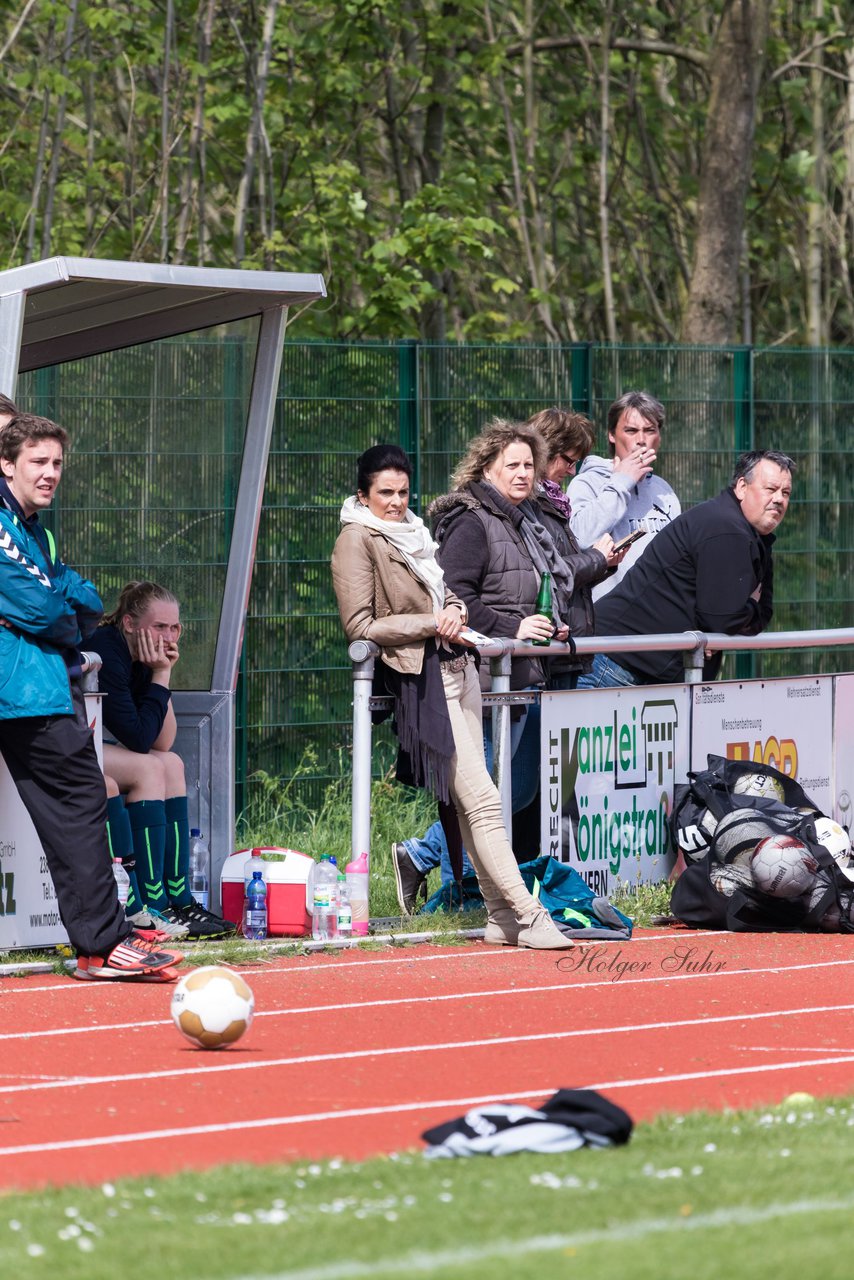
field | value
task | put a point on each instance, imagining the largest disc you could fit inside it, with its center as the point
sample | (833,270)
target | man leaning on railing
(710,570)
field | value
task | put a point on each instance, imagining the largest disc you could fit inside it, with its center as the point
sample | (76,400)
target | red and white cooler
(285,876)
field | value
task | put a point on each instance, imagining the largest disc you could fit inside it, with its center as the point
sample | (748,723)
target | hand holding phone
(629,539)
(469,636)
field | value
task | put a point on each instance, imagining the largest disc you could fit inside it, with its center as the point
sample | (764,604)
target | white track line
(425,1262)
(354,1005)
(441,1047)
(357,1113)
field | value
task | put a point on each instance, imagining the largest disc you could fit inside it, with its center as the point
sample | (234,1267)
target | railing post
(362,656)
(693,659)
(500,671)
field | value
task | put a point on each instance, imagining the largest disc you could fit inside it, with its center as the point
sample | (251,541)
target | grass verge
(761,1194)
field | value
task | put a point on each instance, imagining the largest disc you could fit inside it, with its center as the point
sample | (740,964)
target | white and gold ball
(759,784)
(212,1007)
(835,840)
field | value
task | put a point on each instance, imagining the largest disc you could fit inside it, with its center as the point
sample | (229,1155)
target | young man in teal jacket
(45,739)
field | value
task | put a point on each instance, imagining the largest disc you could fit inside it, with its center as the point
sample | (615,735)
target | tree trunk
(816,208)
(604,213)
(193,180)
(254,136)
(165,145)
(56,140)
(712,305)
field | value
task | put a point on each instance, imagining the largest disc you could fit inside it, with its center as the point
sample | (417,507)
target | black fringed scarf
(423,725)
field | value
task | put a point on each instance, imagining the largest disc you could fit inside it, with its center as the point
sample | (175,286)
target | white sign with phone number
(29,916)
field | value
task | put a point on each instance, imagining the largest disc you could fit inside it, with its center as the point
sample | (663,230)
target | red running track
(355,1055)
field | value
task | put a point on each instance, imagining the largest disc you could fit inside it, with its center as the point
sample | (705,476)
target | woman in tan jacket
(390,589)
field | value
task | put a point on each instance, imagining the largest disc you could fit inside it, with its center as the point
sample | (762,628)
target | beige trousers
(477,800)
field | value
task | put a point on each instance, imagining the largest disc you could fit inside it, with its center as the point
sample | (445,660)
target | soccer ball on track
(783,867)
(212,1007)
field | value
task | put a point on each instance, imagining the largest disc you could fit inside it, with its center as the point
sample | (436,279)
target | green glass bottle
(544,603)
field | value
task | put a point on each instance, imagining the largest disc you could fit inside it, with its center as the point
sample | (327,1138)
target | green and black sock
(177,860)
(148,824)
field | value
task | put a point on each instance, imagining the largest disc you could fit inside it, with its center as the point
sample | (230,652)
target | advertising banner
(785,723)
(610,759)
(843,752)
(29,916)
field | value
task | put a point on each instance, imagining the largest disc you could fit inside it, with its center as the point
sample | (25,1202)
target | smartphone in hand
(470,636)
(629,539)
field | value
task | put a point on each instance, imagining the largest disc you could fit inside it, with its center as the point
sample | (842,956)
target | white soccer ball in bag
(759,784)
(737,835)
(728,877)
(835,840)
(213,1007)
(783,867)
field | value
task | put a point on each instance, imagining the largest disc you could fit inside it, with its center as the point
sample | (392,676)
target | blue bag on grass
(575,908)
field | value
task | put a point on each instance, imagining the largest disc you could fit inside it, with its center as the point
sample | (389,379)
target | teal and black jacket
(45,610)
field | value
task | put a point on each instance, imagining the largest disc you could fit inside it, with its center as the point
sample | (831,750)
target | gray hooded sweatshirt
(605,501)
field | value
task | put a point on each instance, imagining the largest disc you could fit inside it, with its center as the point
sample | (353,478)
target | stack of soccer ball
(780,865)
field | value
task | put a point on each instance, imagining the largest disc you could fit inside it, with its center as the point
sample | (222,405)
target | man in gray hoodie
(621,494)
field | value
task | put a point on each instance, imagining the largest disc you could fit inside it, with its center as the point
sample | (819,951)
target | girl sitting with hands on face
(138,645)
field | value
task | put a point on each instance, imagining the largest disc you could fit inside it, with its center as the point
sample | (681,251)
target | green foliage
(411,151)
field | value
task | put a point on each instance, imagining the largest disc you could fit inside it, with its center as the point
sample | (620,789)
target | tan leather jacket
(381,599)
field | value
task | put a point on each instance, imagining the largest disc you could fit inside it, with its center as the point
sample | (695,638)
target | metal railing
(501,653)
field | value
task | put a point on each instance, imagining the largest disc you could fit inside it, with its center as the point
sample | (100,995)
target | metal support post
(693,659)
(362,656)
(500,671)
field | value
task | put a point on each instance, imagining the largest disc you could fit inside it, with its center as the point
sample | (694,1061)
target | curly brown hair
(495,437)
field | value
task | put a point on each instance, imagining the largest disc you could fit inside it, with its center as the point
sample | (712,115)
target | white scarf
(410,537)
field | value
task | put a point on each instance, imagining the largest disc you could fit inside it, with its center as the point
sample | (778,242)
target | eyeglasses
(570,462)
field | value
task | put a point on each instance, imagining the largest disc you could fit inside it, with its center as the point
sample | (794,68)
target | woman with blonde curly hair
(494,548)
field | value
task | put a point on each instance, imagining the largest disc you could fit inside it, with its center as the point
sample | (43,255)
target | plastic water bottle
(250,865)
(311,881)
(345,911)
(255,909)
(324,906)
(122,882)
(358,878)
(200,868)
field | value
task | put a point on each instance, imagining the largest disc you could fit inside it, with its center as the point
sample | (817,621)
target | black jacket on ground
(697,574)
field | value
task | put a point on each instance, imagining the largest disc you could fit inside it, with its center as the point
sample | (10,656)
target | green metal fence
(126,511)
